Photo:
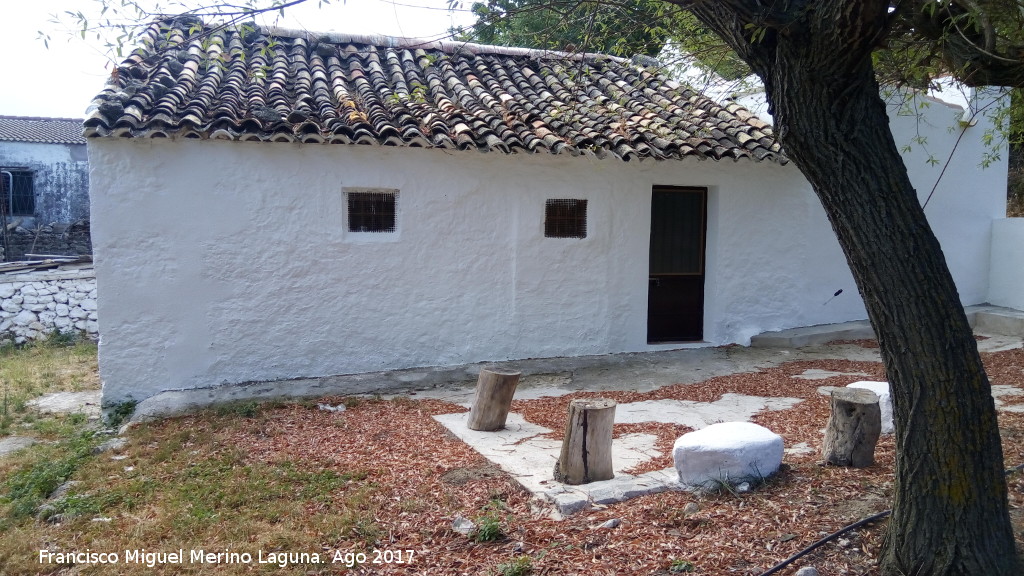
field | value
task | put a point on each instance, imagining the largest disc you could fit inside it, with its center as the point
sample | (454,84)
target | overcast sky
(61,81)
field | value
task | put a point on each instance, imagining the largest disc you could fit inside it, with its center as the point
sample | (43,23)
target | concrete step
(814,335)
(998,320)
(984,318)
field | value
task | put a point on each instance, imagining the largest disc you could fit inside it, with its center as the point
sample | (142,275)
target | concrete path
(522,450)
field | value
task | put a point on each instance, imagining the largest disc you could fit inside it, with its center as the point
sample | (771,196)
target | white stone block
(6,291)
(24,318)
(5,326)
(78,313)
(62,322)
(62,310)
(88,304)
(10,305)
(730,452)
(92,327)
(47,317)
(884,402)
(29,292)
(61,297)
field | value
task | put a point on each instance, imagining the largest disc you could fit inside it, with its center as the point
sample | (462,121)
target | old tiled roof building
(196,81)
(41,130)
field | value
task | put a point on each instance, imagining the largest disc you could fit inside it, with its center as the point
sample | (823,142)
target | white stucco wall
(1006,287)
(967,195)
(224,262)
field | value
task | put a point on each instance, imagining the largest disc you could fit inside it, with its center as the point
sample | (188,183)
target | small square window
(565,218)
(371,211)
(17,195)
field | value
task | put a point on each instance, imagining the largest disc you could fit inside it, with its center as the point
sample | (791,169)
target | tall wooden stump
(853,428)
(587,447)
(493,399)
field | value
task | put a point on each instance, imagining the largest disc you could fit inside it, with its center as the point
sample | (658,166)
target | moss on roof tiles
(273,85)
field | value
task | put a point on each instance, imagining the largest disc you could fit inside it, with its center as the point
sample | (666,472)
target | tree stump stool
(587,446)
(853,428)
(493,399)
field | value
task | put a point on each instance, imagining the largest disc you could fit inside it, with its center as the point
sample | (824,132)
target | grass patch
(188,484)
(60,364)
(46,468)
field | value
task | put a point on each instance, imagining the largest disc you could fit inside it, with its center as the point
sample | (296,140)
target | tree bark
(950,513)
(853,428)
(587,446)
(493,399)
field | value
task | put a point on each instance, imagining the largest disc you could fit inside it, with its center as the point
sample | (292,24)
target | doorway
(675,286)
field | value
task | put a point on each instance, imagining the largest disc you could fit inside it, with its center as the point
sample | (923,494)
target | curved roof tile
(276,85)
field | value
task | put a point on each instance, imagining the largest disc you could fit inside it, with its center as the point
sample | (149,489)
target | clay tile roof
(41,130)
(190,80)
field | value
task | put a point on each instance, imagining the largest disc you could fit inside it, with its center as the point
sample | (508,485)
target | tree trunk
(950,513)
(493,399)
(587,446)
(853,428)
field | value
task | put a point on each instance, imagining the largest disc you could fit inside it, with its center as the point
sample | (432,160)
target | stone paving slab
(87,402)
(11,444)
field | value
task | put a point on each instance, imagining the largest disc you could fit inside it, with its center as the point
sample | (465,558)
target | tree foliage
(618,27)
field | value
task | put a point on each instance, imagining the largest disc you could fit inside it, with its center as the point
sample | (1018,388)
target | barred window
(565,218)
(17,194)
(372,211)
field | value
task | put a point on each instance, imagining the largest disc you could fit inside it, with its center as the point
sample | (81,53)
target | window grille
(17,196)
(371,211)
(565,218)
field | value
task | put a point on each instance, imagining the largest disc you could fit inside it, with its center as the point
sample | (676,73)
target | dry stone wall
(34,305)
(71,239)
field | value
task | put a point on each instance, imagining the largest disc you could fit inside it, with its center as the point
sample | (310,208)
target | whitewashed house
(44,187)
(347,204)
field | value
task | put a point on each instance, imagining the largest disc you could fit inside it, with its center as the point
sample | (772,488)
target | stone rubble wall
(33,305)
(67,238)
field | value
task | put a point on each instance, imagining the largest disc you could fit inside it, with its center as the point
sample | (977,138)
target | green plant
(120,413)
(678,566)
(29,486)
(61,339)
(520,566)
(488,529)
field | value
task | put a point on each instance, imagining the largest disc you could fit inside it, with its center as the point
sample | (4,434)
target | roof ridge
(447,46)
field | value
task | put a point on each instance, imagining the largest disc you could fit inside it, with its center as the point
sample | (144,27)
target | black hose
(825,540)
(844,530)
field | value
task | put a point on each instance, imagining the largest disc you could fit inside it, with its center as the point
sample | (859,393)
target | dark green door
(675,293)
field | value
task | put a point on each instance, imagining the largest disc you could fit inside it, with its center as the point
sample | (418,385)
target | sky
(61,80)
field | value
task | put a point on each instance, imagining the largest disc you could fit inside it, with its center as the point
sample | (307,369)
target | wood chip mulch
(422,477)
